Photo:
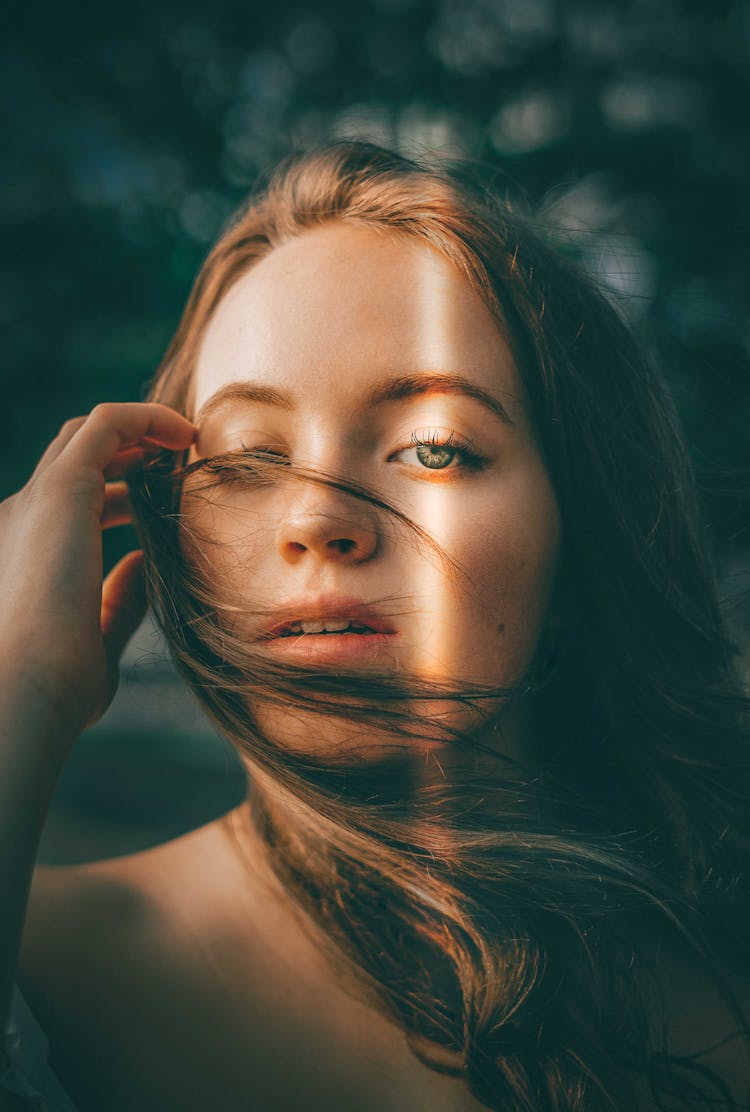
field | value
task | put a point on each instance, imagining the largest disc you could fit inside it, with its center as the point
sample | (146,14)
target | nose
(323,530)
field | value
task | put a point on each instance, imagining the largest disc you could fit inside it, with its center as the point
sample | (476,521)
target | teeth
(313,627)
(330,625)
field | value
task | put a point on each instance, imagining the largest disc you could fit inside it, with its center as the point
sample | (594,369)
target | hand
(63,630)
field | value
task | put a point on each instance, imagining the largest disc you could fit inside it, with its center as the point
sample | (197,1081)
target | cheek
(510,549)
(517,563)
(223,539)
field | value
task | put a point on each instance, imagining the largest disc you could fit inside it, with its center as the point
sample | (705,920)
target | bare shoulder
(88,918)
(169,980)
(107,964)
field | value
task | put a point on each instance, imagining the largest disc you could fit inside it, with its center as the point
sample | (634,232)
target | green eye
(437,454)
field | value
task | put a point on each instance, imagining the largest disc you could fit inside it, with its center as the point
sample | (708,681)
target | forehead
(327,314)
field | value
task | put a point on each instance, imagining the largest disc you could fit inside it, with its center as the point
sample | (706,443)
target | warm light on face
(321,353)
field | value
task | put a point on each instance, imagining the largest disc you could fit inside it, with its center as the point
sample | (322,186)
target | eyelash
(464,449)
(266,451)
(471,460)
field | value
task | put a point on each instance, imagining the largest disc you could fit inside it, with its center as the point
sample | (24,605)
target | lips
(333,609)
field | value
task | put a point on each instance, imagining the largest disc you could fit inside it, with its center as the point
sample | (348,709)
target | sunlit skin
(327,318)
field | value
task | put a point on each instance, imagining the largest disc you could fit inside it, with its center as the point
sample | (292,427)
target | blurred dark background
(131,131)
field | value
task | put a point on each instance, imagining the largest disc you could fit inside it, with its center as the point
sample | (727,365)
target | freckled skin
(327,316)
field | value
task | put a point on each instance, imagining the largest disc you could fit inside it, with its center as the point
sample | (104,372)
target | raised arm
(63,630)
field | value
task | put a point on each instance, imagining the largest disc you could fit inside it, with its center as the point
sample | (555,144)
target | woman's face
(339,349)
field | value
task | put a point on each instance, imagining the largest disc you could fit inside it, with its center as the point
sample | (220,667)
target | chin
(437,727)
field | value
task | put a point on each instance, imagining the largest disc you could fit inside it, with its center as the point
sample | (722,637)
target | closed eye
(265,450)
(234,464)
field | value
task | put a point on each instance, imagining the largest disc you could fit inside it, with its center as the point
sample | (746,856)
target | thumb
(124,604)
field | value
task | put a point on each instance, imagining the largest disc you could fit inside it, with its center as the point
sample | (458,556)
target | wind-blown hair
(487,913)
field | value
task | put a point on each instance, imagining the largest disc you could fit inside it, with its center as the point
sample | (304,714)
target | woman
(420,531)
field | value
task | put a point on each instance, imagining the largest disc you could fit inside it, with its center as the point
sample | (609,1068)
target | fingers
(112,425)
(124,605)
(117,508)
(130,457)
(118,435)
(63,438)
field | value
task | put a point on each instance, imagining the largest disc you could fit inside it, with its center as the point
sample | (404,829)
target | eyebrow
(394,390)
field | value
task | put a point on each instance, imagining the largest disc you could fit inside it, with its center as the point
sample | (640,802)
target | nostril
(324,539)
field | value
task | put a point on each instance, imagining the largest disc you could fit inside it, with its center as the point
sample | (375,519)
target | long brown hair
(486,914)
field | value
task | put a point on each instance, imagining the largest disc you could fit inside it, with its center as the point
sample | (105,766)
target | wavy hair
(487,910)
